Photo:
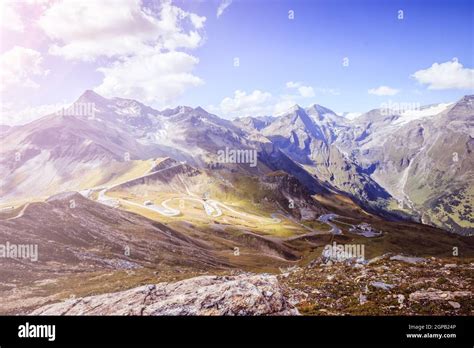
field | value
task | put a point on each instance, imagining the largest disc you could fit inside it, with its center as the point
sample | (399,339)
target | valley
(112,206)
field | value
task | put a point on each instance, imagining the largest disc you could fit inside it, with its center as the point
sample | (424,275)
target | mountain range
(409,166)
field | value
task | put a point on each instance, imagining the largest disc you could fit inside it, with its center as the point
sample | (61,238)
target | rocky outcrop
(245,294)
(408,259)
(383,286)
(438,295)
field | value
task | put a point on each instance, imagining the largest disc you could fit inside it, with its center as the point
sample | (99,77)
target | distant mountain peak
(181,109)
(467,100)
(297,118)
(200,109)
(320,109)
(89,96)
(184,108)
(295,108)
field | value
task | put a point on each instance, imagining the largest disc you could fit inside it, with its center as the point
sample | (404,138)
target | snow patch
(415,114)
(349,115)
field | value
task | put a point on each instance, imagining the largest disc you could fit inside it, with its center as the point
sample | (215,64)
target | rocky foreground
(205,295)
(386,285)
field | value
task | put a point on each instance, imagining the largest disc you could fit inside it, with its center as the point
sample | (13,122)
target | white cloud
(304,91)
(89,29)
(283,106)
(19,66)
(142,43)
(170,27)
(260,103)
(243,104)
(447,75)
(157,78)
(222,7)
(291,84)
(9,17)
(328,91)
(383,90)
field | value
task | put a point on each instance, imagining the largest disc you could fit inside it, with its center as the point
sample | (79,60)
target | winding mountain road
(327,218)
(213,208)
(20,213)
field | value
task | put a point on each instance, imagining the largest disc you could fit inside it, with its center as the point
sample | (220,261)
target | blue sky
(382,49)
(181,52)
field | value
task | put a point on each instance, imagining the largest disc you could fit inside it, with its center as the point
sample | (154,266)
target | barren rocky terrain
(385,285)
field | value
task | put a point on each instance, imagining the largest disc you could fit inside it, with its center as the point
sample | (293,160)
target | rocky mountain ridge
(419,169)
